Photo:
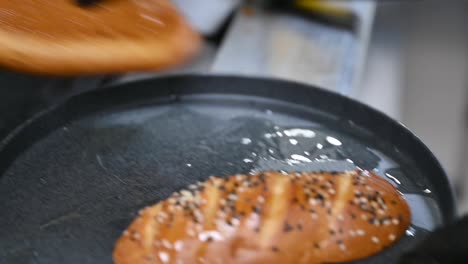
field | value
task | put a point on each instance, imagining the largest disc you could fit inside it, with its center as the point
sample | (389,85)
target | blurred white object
(206,16)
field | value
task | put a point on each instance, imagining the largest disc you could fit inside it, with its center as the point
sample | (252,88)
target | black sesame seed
(333,172)
(262,177)
(274,249)
(316,245)
(299,226)
(340,230)
(256,209)
(287,227)
(353,216)
(332,232)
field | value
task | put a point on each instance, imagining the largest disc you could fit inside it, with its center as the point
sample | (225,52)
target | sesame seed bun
(269,218)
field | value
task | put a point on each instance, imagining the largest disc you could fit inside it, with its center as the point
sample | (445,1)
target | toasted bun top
(269,218)
(59,37)
(65,20)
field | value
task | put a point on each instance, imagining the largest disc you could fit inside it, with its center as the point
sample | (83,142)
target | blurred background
(406,58)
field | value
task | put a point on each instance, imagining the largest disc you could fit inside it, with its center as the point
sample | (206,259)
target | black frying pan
(73,177)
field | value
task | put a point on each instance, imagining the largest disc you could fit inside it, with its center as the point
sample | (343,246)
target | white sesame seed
(313,202)
(352,233)
(395,221)
(136,235)
(178,245)
(126,233)
(380,212)
(235,221)
(186,193)
(360,232)
(190,232)
(221,214)
(331,191)
(314,215)
(386,222)
(375,239)
(164,257)
(340,217)
(260,199)
(342,247)
(391,237)
(364,217)
(232,197)
(363,200)
(166,244)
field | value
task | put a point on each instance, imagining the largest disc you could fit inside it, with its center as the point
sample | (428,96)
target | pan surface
(73,177)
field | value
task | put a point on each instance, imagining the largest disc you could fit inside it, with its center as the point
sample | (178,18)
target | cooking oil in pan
(274,142)
(316,149)
(209,141)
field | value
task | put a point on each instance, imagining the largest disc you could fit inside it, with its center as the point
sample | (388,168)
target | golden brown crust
(117,36)
(269,218)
